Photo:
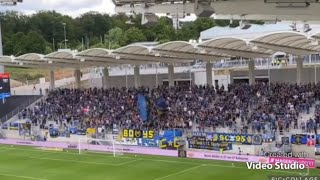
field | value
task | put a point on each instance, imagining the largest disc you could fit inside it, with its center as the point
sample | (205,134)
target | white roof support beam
(105,63)
(81,63)
(98,63)
(35,66)
(154,59)
(45,63)
(17,65)
(238,53)
(32,62)
(63,60)
(111,60)
(193,56)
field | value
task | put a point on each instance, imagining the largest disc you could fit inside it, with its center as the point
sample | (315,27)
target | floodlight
(306,28)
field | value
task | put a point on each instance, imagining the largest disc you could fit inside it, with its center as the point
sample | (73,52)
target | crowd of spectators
(262,107)
(317,116)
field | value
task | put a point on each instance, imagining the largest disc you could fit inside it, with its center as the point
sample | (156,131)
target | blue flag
(161,104)
(142,106)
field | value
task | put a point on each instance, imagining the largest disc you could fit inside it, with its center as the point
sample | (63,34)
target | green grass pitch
(26,163)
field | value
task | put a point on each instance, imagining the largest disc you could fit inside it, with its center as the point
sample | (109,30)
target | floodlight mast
(6,3)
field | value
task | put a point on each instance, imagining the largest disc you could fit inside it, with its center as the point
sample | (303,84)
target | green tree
(35,33)
(34,42)
(98,45)
(115,36)
(48,50)
(13,22)
(93,24)
(201,24)
(223,23)
(50,25)
(134,35)
(164,29)
(150,34)
(119,20)
(14,45)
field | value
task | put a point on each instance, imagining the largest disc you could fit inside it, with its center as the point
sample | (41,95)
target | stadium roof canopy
(175,52)
(140,52)
(184,49)
(104,57)
(290,42)
(235,47)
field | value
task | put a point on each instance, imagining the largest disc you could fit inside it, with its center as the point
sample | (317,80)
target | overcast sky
(69,7)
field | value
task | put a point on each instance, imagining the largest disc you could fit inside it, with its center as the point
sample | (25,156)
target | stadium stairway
(304,117)
(15,104)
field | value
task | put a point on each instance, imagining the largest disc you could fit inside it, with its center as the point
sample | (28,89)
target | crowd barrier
(161,152)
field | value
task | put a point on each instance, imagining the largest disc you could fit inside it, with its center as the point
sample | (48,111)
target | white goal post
(100,145)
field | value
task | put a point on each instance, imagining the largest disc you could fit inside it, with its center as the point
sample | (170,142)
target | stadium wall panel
(279,75)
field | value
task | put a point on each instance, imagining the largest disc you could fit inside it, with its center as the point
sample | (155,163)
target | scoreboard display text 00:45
(134,133)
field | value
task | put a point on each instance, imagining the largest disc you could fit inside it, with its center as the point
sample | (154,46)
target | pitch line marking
(120,164)
(75,161)
(183,171)
(62,152)
(84,162)
(21,177)
(4,150)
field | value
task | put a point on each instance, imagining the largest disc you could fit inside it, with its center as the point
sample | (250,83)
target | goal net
(100,145)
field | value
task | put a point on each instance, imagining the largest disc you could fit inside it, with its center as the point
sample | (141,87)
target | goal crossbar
(99,145)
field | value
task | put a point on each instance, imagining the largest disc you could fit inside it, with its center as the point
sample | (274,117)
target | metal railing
(22,106)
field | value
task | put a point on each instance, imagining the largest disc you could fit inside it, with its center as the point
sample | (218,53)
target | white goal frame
(82,141)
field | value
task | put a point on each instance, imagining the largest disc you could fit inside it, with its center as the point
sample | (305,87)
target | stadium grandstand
(199,109)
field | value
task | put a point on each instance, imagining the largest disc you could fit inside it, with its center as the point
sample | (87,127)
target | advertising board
(310,163)
(66,145)
(226,157)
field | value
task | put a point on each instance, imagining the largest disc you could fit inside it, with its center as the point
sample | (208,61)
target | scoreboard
(134,133)
(4,85)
